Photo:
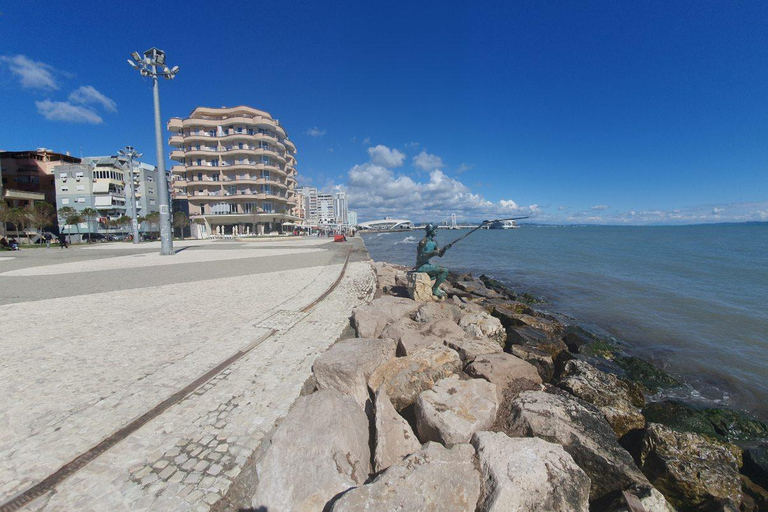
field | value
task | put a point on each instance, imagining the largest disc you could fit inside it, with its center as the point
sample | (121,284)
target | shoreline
(468,387)
(698,325)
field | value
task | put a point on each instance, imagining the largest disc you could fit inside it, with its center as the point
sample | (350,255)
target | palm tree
(41,214)
(123,221)
(89,214)
(181,221)
(141,220)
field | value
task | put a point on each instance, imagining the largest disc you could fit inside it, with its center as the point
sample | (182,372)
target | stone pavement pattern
(85,370)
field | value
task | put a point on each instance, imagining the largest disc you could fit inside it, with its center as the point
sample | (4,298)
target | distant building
(325,209)
(237,170)
(340,209)
(102,183)
(352,216)
(27,176)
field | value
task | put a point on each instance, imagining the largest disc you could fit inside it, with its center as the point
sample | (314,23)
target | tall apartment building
(325,209)
(102,183)
(237,170)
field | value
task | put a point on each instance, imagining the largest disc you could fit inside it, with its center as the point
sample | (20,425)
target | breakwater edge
(483,402)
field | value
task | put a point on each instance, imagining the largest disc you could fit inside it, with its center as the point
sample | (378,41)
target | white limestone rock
(348,364)
(420,287)
(455,409)
(510,374)
(371,319)
(583,432)
(469,348)
(310,459)
(404,378)
(434,479)
(395,439)
(529,474)
(483,325)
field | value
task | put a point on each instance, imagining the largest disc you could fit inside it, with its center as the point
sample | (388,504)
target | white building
(352,217)
(325,209)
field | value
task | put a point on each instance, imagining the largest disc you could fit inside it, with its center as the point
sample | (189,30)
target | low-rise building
(27,176)
(101,183)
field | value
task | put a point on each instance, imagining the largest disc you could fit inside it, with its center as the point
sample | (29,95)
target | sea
(691,299)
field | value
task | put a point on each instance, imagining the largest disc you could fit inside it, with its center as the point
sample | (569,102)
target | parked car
(94,237)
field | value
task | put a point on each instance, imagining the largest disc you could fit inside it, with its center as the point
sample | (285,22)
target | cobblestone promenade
(132,381)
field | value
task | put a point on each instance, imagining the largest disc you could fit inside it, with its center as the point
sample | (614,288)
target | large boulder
(433,311)
(434,479)
(476,287)
(635,497)
(510,374)
(455,409)
(371,319)
(756,463)
(469,348)
(310,459)
(348,364)
(529,474)
(420,287)
(394,437)
(583,432)
(690,469)
(445,329)
(526,335)
(483,325)
(616,399)
(408,336)
(404,378)
(538,358)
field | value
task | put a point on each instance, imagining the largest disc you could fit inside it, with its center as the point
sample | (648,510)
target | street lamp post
(131,154)
(152,63)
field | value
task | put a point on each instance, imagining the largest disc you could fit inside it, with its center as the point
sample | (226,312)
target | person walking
(63,241)
(48,238)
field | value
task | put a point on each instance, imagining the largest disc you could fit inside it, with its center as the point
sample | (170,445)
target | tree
(181,221)
(123,221)
(41,214)
(71,217)
(153,218)
(89,214)
(17,216)
(5,214)
(141,220)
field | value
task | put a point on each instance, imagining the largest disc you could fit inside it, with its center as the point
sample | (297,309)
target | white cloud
(366,141)
(561,208)
(31,74)
(411,145)
(88,95)
(64,111)
(389,158)
(600,207)
(315,132)
(428,162)
(463,168)
(375,191)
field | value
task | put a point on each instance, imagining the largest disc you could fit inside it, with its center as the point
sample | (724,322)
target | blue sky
(573,112)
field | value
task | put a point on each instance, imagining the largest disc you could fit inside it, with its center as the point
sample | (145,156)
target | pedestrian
(48,238)
(63,241)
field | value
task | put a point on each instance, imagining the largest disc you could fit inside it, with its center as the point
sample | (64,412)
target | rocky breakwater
(482,402)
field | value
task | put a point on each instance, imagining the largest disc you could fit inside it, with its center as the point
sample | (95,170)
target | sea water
(692,299)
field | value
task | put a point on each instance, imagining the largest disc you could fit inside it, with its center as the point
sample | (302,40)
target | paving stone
(222,448)
(167,472)
(214,470)
(160,464)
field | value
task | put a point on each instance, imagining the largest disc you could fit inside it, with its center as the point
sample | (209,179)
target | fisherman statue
(426,250)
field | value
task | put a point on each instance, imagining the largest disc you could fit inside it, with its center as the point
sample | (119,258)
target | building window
(80,199)
(65,200)
(250,208)
(81,188)
(268,208)
(152,202)
(65,188)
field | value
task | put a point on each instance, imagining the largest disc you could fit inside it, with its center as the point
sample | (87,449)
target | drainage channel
(82,460)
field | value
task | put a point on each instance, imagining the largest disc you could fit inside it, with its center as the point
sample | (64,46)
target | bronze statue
(426,250)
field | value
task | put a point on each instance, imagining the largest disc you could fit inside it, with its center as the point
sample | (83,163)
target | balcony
(176,140)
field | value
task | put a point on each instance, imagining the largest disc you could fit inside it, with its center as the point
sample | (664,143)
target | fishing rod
(448,246)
